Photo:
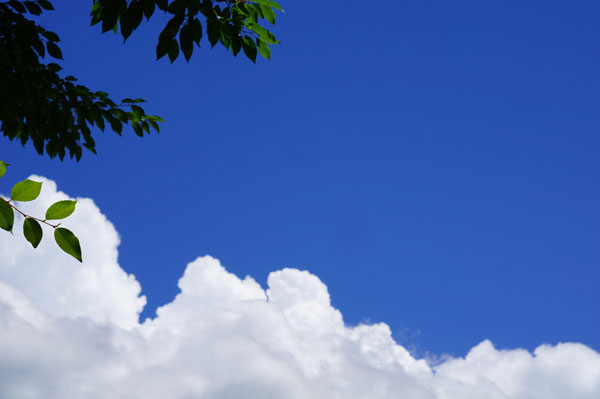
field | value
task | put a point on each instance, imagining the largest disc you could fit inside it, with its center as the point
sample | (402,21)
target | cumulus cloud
(71,330)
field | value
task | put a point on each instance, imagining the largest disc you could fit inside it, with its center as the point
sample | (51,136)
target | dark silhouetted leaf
(138,110)
(197,31)
(67,241)
(213,32)
(236,44)
(162,4)
(186,41)
(162,48)
(173,50)
(7,216)
(32,231)
(148,6)
(53,37)
(33,8)
(17,6)
(54,50)
(137,129)
(249,48)
(46,5)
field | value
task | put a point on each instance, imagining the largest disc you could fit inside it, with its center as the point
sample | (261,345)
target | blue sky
(435,164)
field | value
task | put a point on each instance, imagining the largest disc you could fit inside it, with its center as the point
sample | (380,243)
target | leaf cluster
(29,190)
(236,24)
(57,114)
(37,104)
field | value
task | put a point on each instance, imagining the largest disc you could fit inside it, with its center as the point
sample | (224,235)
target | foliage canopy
(57,113)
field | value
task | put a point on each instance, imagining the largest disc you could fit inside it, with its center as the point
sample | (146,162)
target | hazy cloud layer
(69,330)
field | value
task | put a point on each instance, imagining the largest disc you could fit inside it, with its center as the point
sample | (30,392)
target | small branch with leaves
(29,190)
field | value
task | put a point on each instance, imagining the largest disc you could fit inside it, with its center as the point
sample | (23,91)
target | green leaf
(249,48)
(67,241)
(225,39)
(119,113)
(264,34)
(116,125)
(137,128)
(54,50)
(3,166)
(274,4)
(32,231)
(7,216)
(154,125)
(268,13)
(131,101)
(26,190)
(60,210)
(263,49)
(96,13)
(139,111)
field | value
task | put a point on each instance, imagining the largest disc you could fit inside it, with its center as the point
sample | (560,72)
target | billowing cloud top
(71,330)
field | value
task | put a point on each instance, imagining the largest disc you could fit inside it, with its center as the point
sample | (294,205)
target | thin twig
(29,216)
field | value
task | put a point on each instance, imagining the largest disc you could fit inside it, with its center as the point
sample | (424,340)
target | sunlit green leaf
(60,210)
(26,190)
(67,241)
(274,4)
(263,49)
(264,34)
(32,231)
(3,166)
(268,13)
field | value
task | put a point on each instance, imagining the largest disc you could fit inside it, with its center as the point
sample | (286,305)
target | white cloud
(70,330)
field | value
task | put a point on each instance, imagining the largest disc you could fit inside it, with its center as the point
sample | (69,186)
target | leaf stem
(29,216)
